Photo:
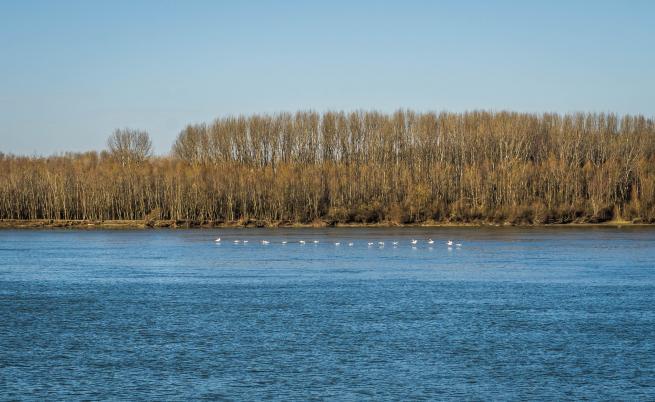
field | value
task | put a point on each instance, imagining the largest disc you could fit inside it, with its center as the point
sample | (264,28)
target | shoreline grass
(171,224)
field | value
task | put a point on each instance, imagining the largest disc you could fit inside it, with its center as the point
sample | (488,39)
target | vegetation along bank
(343,168)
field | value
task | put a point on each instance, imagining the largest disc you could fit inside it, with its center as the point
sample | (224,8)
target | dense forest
(360,167)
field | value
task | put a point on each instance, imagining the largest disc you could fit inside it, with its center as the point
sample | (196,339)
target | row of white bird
(413,242)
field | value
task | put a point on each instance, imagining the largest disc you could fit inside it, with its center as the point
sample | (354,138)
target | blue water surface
(531,313)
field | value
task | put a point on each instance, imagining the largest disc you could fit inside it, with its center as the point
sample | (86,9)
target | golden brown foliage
(359,167)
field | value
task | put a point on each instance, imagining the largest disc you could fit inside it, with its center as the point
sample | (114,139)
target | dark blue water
(170,315)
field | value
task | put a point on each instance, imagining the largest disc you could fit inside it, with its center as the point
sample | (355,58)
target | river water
(547,313)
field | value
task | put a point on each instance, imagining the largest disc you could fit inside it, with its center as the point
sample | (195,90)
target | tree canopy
(404,167)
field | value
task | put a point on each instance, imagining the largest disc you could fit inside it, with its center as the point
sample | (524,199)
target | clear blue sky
(72,71)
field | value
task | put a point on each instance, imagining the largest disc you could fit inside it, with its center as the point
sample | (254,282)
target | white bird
(395,243)
(430,241)
(237,241)
(315,241)
(301,242)
(449,242)
(458,244)
(350,244)
(284,242)
(218,240)
(337,244)
(370,243)
(414,241)
(245,241)
(381,243)
(265,241)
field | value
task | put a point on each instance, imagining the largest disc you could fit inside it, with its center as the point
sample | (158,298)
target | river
(511,313)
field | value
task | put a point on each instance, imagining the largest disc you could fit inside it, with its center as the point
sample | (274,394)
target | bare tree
(358,167)
(130,146)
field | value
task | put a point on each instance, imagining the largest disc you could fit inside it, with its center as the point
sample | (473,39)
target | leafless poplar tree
(130,146)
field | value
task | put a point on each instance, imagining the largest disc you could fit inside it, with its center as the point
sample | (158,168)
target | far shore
(172,224)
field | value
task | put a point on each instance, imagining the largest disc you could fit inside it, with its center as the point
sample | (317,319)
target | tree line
(359,167)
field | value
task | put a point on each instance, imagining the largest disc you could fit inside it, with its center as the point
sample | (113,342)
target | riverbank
(172,224)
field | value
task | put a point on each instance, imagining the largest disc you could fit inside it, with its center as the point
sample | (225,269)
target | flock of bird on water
(413,243)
